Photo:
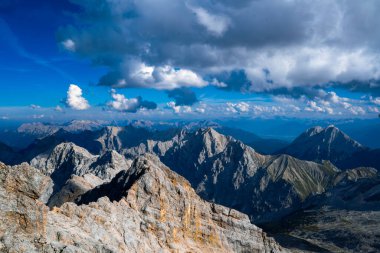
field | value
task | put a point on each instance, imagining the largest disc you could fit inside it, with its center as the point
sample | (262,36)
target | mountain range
(139,172)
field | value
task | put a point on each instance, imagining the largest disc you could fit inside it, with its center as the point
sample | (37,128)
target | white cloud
(217,83)
(309,66)
(74,98)
(201,108)
(69,45)
(260,109)
(215,24)
(294,108)
(179,109)
(162,77)
(121,103)
(373,109)
(240,107)
(314,107)
(375,100)
(356,110)
(170,78)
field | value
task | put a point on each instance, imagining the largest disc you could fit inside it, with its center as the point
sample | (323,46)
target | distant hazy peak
(317,144)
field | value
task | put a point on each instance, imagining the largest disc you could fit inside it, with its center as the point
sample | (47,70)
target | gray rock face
(68,160)
(73,188)
(158,211)
(317,144)
(225,171)
(119,138)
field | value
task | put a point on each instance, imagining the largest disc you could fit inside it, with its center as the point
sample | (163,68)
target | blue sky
(189,59)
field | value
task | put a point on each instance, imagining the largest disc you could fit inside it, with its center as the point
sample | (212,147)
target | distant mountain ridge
(330,143)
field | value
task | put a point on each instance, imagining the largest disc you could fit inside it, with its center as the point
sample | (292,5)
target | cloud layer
(168,44)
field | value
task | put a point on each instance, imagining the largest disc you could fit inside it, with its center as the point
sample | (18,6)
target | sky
(189,59)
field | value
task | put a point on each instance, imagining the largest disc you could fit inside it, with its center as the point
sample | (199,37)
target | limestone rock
(73,188)
(23,215)
(156,211)
(170,209)
(68,159)
(65,158)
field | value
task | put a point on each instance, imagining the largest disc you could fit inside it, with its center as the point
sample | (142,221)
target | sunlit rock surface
(153,210)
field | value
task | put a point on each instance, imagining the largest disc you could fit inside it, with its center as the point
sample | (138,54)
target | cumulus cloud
(135,73)
(121,103)
(75,100)
(178,109)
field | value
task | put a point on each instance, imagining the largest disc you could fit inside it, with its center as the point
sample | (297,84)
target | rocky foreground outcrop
(23,214)
(152,210)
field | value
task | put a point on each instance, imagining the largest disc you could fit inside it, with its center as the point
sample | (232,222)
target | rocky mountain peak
(158,213)
(173,210)
(332,133)
(211,140)
(318,144)
(67,160)
(70,148)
